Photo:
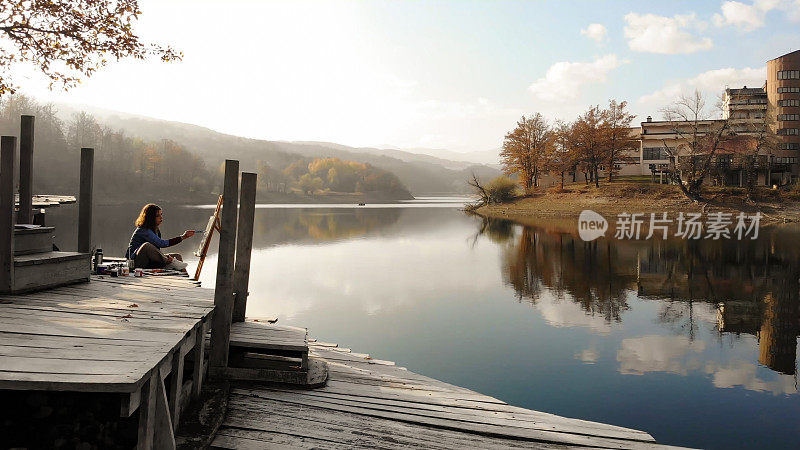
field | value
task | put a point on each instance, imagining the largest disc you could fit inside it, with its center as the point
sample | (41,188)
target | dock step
(49,269)
(272,353)
(33,240)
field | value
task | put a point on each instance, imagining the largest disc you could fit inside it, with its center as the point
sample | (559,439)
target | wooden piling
(223,294)
(85,201)
(244,245)
(25,213)
(8,146)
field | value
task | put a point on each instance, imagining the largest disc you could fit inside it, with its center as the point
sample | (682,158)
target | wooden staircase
(36,266)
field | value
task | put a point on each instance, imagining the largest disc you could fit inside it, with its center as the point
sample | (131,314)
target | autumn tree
(525,149)
(616,134)
(588,141)
(700,139)
(69,40)
(561,159)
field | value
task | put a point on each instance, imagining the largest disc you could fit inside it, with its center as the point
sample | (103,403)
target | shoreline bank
(621,197)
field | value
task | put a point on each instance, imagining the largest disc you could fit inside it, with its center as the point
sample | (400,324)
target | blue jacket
(141,235)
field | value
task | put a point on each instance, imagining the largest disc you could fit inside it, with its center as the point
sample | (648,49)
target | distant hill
(446,158)
(422,174)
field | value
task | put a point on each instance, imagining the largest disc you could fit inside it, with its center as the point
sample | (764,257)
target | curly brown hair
(147,218)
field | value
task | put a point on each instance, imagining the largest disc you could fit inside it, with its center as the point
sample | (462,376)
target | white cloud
(666,35)
(564,79)
(588,356)
(672,354)
(710,83)
(746,375)
(749,17)
(595,31)
(560,313)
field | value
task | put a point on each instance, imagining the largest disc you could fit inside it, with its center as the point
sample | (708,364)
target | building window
(789,131)
(790,146)
(790,102)
(654,153)
(787,117)
(788,90)
(789,75)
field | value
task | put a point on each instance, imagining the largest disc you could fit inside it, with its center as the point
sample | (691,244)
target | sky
(453,75)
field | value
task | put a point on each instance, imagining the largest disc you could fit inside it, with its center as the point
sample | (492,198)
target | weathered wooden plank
(261,330)
(67,382)
(72,367)
(506,412)
(459,415)
(252,419)
(133,317)
(259,440)
(92,353)
(108,333)
(120,311)
(471,427)
(261,344)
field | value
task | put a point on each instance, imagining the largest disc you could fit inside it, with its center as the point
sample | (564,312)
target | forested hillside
(125,167)
(421,174)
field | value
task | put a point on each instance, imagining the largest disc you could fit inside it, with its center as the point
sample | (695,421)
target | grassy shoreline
(638,197)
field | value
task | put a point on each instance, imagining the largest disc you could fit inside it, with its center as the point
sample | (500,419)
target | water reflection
(650,335)
(737,287)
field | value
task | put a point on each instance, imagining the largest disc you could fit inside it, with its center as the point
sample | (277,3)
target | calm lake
(694,342)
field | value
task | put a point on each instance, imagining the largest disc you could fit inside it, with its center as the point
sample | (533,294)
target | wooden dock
(371,403)
(120,335)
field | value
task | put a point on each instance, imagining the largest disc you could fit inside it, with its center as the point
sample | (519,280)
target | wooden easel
(213,224)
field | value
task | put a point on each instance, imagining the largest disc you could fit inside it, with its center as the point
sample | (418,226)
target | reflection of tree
(497,230)
(753,285)
(285,225)
(586,272)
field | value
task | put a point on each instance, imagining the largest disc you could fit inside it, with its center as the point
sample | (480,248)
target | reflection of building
(777,340)
(753,294)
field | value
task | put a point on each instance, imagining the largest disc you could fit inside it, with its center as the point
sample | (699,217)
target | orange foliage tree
(525,150)
(68,40)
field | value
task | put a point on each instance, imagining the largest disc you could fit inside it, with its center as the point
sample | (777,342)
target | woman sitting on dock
(146,242)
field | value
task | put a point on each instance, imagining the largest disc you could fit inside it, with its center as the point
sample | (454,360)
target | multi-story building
(745,106)
(783,99)
(748,111)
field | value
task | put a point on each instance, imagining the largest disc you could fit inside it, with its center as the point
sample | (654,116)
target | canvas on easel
(202,249)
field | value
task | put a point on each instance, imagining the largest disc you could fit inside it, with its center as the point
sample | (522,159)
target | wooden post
(199,354)
(244,245)
(223,294)
(147,413)
(25,214)
(85,201)
(8,146)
